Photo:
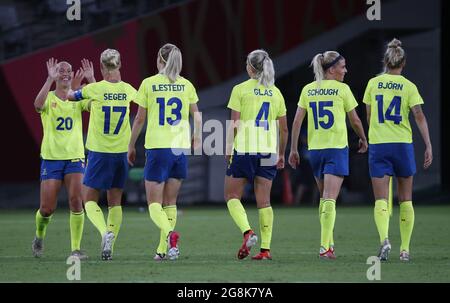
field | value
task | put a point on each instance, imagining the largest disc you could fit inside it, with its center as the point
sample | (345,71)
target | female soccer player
(326,101)
(165,101)
(62,152)
(389,98)
(256,107)
(107,141)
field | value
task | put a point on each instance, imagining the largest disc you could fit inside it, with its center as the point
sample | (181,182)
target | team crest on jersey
(53,104)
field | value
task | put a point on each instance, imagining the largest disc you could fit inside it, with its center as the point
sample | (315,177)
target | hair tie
(328,65)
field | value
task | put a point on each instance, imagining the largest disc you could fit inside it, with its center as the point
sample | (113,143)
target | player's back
(109,125)
(259,108)
(167,105)
(390,98)
(327,103)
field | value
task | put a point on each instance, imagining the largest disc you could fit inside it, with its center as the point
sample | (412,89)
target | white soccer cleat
(172,242)
(37,247)
(79,254)
(107,243)
(385,248)
(404,256)
(159,257)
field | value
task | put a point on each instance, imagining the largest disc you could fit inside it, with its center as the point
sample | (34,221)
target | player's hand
(76,80)
(294,159)
(131,156)
(51,69)
(196,142)
(280,162)
(88,70)
(428,157)
(363,145)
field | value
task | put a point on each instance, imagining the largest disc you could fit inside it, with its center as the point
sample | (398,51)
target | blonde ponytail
(261,63)
(110,58)
(170,55)
(321,62)
(395,55)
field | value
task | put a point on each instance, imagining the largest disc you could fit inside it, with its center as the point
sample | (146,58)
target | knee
(75,203)
(46,211)
(231,195)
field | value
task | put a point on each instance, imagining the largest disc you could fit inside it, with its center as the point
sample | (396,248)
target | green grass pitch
(209,243)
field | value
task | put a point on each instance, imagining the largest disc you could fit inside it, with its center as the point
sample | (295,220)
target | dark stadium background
(214,37)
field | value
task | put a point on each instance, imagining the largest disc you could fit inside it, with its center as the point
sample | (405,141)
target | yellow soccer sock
(76,229)
(381,215)
(406,224)
(114,221)
(320,211)
(238,214)
(171,212)
(265,225)
(95,215)
(159,217)
(327,220)
(41,224)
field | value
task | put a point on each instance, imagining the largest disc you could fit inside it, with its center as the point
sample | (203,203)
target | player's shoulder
(185,81)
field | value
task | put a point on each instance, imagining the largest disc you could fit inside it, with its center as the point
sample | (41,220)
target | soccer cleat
(385,248)
(264,255)
(37,247)
(326,254)
(107,242)
(404,256)
(172,242)
(79,254)
(250,240)
(332,249)
(160,257)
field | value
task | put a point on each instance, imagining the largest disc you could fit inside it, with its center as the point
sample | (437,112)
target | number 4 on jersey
(263,114)
(394,106)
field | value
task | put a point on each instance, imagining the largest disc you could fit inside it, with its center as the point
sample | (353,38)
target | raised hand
(88,70)
(51,69)
(76,80)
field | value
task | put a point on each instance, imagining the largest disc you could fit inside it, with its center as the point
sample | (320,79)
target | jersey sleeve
(414,97)
(282,107)
(349,100)
(141,95)
(88,92)
(44,109)
(193,98)
(302,102)
(131,93)
(367,98)
(85,105)
(235,100)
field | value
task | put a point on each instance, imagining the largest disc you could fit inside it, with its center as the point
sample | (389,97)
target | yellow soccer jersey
(167,107)
(390,98)
(327,105)
(63,129)
(109,123)
(260,107)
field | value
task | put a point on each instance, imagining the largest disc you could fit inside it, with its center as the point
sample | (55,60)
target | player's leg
(170,194)
(263,187)
(114,221)
(406,214)
(73,183)
(234,189)
(48,199)
(381,214)
(93,211)
(331,188)
(155,192)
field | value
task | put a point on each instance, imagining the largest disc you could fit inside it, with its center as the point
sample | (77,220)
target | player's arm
(368,112)
(138,123)
(294,158)
(231,133)
(284,133)
(197,116)
(42,95)
(356,124)
(422,124)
